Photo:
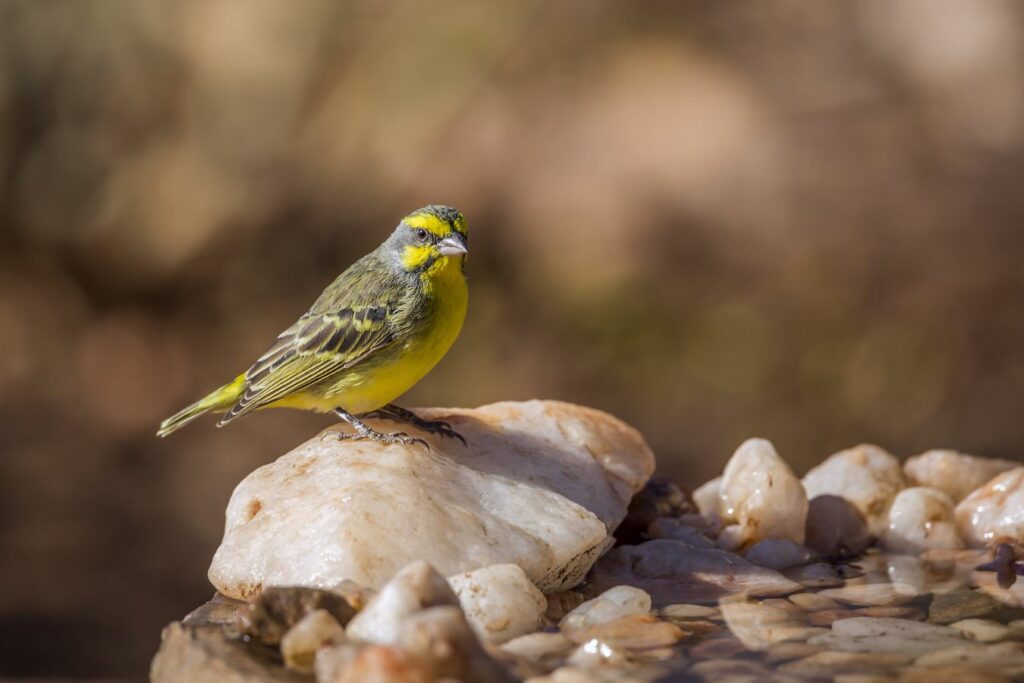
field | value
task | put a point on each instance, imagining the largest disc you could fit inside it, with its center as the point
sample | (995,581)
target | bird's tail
(218,400)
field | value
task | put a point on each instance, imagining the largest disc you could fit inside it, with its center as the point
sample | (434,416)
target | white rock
(921,518)
(760,497)
(316,630)
(866,475)
(982,630)
(872,594)
(989,660)
(778,554)
(884,634)
(673,572)
(499,601)
(540,485)
(620,601)
(536,646)
(413,589)
(994,511)
(954,473)
(706,499)
(595,652)
(758,626)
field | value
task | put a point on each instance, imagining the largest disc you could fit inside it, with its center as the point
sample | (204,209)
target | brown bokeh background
(795,220)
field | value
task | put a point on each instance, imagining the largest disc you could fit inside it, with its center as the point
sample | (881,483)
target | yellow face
(433,237)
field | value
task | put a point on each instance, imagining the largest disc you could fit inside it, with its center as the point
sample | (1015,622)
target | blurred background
(794,220)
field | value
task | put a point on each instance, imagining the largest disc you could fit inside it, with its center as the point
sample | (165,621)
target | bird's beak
(453,246)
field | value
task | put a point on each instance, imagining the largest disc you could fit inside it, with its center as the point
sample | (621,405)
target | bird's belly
(380,380)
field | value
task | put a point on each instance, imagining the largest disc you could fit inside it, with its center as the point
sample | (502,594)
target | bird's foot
(438,427)
(379,437)
(366,432)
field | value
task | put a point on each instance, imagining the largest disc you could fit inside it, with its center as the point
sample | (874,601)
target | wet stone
(778,554)
(835,528)
(561,603)
(945,608)
(788,651)
(758,626)
(717,648)
(676,530)
(537,646)
(982,630)
(872,594)
(875,634)
(684,611)
(615,602)
(1007,658)
(638,631)
(673,572)
(822,575)
(813,602)
(826,664)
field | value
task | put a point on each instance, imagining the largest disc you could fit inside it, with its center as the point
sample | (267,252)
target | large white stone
(995,511)
(499,601)
(866,475)
(760,497)
(954,473)
(921,518)
(541,484)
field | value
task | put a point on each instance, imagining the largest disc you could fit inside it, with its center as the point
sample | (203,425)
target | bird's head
(431,238)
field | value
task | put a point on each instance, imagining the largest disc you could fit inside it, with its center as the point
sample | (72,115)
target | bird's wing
(314,348)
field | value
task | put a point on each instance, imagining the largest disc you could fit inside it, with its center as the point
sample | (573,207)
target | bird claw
(441,428)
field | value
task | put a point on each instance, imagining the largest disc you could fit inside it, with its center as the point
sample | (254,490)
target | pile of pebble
(864,571)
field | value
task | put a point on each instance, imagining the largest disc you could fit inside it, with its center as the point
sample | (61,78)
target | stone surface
(540,485)
(956,474)
(207,655)
(499,602)
(880,634)
(994,512)
(866,475)
(872,594)
(637,631)
(778,554)
(314,631)
(676,530)
(538,645)
(673,572)
(826,664)
(921,518)
(945,608)
(277,609)
(813,602)
(982,630)
(413,589)
(1006,658)
(758,626)
(835,528)
(659,498)
(441,641)
(706,498)
(620,601)
(760,497)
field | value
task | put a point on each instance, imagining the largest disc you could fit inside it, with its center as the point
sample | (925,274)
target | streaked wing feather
(310,351)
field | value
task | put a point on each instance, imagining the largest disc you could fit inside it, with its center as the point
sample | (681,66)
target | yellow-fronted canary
(371,335)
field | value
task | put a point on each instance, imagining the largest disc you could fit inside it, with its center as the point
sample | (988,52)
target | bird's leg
(365,431)
(398,414)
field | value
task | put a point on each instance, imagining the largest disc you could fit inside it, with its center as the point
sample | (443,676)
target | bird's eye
(421,235)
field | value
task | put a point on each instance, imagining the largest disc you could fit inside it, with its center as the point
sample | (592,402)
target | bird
(372,334)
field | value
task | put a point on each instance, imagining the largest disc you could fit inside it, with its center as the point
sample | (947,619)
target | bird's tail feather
(218,400)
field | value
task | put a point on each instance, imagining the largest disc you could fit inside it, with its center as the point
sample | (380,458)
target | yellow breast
(391,372)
